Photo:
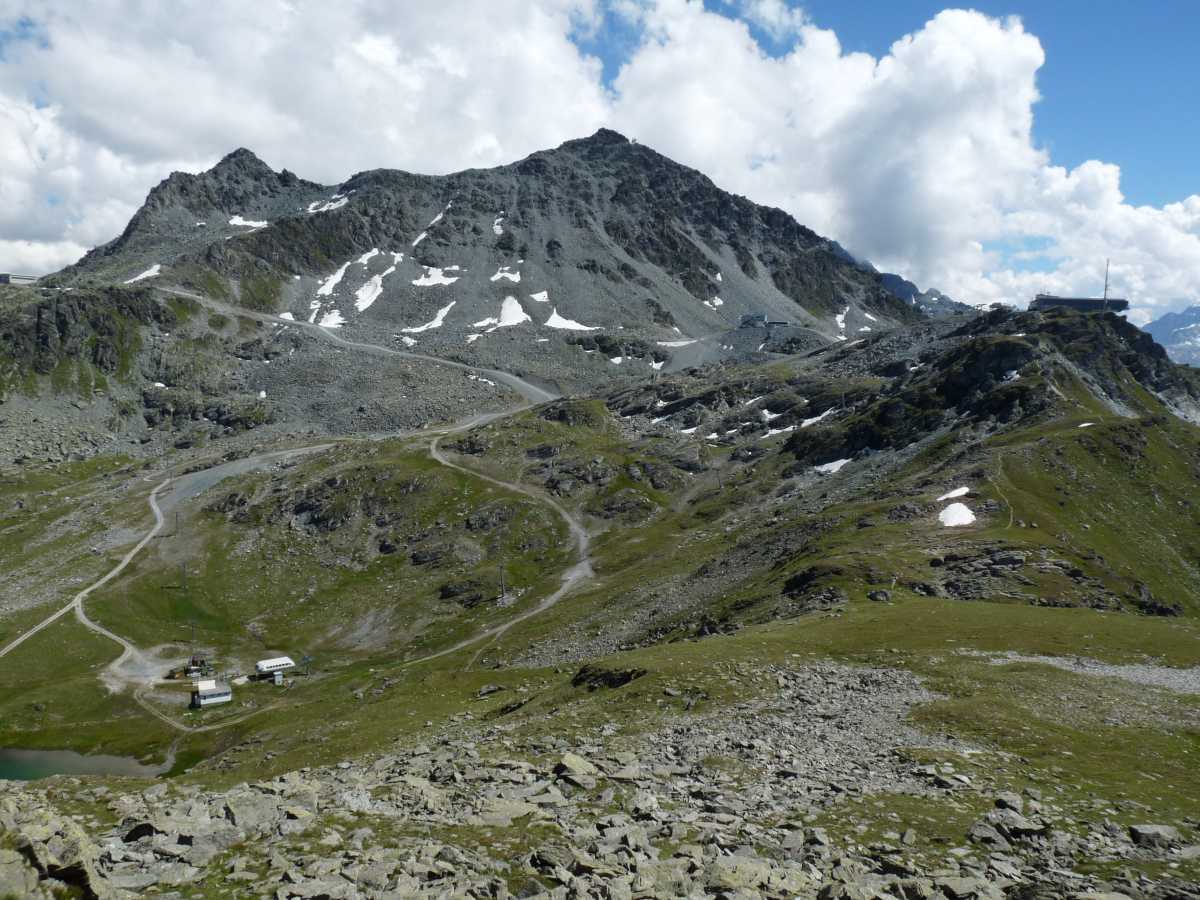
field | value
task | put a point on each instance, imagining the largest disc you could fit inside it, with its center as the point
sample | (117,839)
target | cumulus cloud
(922,160)
(101,100)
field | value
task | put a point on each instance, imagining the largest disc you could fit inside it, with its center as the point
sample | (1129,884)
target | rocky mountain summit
(598,235)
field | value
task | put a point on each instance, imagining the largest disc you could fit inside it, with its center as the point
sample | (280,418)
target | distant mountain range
(1179,333)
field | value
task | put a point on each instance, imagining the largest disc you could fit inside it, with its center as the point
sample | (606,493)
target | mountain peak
(244,160)
(603,138)
(606,136)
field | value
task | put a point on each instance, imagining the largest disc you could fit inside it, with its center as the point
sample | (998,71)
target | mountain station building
(1079,304)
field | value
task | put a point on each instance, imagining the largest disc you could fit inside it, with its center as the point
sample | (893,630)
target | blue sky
(1118,80)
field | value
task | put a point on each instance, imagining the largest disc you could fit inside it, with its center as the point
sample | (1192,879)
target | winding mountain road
(133,666)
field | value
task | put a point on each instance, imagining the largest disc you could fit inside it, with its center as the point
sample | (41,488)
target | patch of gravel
(1182,681)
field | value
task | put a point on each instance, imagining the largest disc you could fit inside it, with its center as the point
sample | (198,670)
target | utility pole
(1106,284)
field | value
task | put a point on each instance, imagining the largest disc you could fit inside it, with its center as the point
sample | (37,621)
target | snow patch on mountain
(151,272)
(954,494)
(434,276)
(830,468)
(247,223)
(337,201)
(557,321)
(332,319)
(511,314)
(332,281)
(956,514)
(435,322)
(369,292)
(808,423)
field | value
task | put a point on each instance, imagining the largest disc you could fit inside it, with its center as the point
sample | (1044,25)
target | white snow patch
(397,258)
(808,423)
(691,430)
(420,237)
(159,384)
(956,514)
(480,378)
(760,346)
(830,467)
(771,432)
(712,436)
(472,338)
(540,297)
(262,395)
(1012,375)
(369,292)
(616,360)
(557,321)
(869,317)
(498,226)
(368,256)
(332,319)
(337,201)
(752,401)
(407,341)
(438,217)
(865,328)
(719,277)
(288,316)
(247,223)
(770,416)
(511,314)
(507,272)
(954,494)
(657,365)
(675,343)
(434,276)
(332,281)
(1087,424)
(542,341)
(151,272)
(841,319)
(435,322)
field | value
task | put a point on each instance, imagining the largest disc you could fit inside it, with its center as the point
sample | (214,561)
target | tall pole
(1106,283)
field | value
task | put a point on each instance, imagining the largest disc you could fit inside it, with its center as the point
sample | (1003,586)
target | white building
(271,666)
(211,696)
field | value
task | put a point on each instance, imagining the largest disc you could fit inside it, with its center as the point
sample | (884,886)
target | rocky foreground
(739,803)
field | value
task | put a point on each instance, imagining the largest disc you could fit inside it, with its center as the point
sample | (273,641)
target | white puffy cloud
(101,100)
(922,160)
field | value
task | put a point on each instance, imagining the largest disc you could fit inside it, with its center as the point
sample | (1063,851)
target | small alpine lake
(29,765)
